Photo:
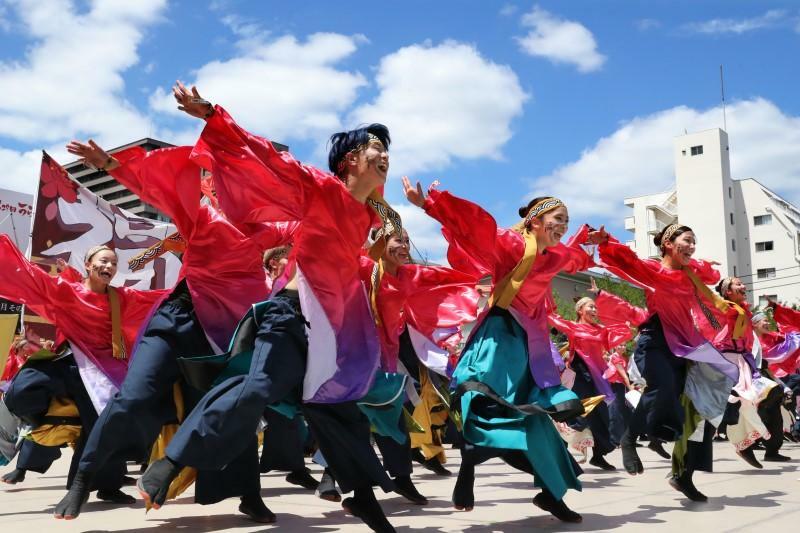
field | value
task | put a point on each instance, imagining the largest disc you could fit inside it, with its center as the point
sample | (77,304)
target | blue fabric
(497,355)
(383,405)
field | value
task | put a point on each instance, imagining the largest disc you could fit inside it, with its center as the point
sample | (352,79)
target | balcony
(630,224)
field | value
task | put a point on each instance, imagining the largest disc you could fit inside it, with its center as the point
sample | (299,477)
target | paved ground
(742,499)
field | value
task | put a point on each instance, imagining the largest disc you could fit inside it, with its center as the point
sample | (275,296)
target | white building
(749,229)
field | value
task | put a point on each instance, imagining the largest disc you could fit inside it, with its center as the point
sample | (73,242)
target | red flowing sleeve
(567,327)
(254,181)
(705,271)
(578,258)
(23,282)
(615,310)
(787,319)
(622,261)
(166,179)
(438,297)
(477,244)
(616,334)
(71,275)
(271,234)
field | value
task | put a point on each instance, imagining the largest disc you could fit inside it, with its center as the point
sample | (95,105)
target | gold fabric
(721,304)
(431,414)
(117,342)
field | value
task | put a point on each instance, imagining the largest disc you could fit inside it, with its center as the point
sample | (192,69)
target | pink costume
(487,249)
(782,349)
(256,183)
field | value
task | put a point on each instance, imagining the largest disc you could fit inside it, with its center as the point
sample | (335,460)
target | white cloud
(507,10)
(637,158)
(442,103)
(646,24)
(283,88)
(560,41)
(70,82)
(770,19)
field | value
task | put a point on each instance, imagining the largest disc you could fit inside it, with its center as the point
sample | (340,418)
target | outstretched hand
(190,102)
(594,289)
(597,236)
(92,155)
(415,195)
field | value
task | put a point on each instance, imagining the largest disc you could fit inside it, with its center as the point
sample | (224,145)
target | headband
(758,317)
(725,285)
(94,250)
(541,207)
(669,232)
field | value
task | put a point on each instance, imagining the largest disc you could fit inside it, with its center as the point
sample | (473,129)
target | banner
(70,219)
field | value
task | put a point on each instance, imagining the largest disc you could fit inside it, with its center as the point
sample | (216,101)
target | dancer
(753,393)
(506,376)
(99,323)
(412,299)
(676,295)
(221,276)
(590,340)
(330,365)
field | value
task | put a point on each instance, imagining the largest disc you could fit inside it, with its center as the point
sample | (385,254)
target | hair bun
(523,211)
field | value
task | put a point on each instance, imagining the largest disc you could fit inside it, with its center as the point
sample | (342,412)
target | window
(697,150)
(733,244)
(765,298)
(734,271)
(762,220)
(732,219)
(764,246)
(730,192)
(765,273)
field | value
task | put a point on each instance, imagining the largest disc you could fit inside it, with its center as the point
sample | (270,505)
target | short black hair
(346,141)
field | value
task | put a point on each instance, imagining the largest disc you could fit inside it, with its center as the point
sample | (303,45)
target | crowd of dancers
(301,324)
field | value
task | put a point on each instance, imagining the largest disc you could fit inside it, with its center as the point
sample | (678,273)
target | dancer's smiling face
(681,249)
(102,267)
(737,292)
(370,164)
(551,226)
(588,312)
(397,250)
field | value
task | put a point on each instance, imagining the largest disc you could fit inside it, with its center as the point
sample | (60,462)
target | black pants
(396,456)
(29,396)
(132,420)
(769,410)
(35,457)
(659,414)
(619,413)
(598,419)
(700,455)
(283,443)
(216,431)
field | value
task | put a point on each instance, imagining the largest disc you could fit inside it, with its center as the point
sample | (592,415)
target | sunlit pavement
(740,499)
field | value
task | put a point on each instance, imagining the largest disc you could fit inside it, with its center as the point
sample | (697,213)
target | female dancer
(221,276)
(676,294)
(99,323)
(330,365)
(407,297)
(507,377)
(753,393)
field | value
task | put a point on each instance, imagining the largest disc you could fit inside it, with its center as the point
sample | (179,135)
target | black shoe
(684,484)
(155,482)
(416,455)
(464,491)
(436,467)
(405,488)
(600,462)
(630,459)
(78,494)
(115,496)
(776,458)
(327,488)
(303,479)
(369,512)
(749,457)
(656,446)
(254,507)
(546,502)
(15,476)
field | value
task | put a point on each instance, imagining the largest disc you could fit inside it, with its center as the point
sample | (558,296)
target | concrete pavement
(741,499)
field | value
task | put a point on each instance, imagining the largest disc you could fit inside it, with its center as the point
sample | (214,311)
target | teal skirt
(496,359)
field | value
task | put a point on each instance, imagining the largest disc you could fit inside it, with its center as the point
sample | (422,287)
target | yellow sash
(720,303)
(506,290)
(117,342)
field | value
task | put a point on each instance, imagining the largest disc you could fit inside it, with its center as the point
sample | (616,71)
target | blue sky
(497,100)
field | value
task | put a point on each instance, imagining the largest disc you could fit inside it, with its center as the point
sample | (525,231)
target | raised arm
(787,319)
(166,178)
(615,310)
(578,258)
(622,261)
(23,282)
(706,271)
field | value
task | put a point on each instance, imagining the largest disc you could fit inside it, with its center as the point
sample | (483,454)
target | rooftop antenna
(722,90)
